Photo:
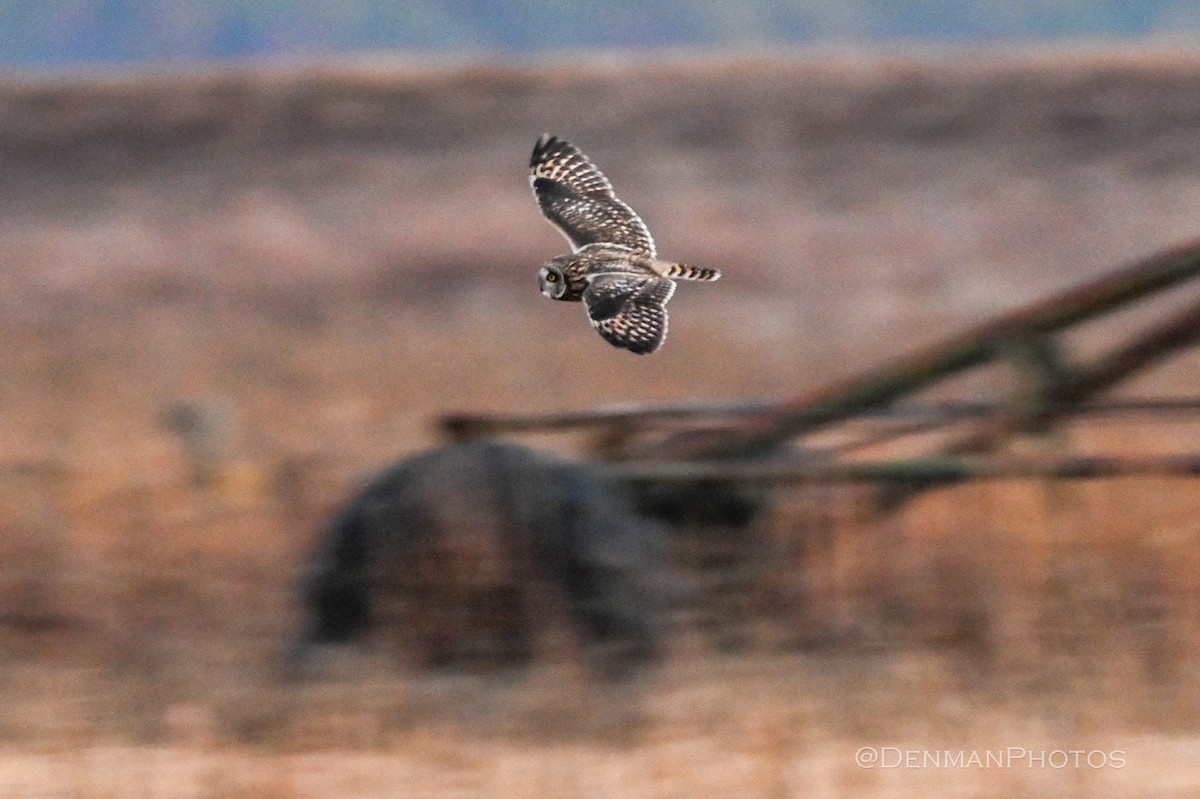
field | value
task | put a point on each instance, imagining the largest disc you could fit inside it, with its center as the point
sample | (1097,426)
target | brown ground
(326,258)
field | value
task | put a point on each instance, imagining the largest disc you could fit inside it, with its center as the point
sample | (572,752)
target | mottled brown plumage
(612,266)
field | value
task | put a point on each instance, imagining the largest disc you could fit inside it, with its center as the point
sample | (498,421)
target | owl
(612,266)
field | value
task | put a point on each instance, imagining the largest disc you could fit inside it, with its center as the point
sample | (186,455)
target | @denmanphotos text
(1011,757)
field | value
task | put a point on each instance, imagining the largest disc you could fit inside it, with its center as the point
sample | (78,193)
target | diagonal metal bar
(912,419)
(850,397)
(1178,332)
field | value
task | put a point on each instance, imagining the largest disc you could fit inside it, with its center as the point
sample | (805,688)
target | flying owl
(612,266)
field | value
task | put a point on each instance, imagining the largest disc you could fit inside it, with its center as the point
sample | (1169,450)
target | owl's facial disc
(551,282)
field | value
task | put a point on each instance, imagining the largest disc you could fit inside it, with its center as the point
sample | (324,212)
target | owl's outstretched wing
(629,311)
(579,200)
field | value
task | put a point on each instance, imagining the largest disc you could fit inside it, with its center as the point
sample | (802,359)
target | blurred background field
(317,259)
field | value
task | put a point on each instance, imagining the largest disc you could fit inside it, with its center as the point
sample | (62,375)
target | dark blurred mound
(469,549)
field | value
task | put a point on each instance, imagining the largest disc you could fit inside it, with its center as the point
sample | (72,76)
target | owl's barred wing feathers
(629,311)
(613,268)
(562,161)
(577,197)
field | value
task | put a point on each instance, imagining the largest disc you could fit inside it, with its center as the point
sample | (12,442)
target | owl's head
(552,280)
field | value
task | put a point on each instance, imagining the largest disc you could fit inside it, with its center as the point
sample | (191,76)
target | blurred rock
(470,550)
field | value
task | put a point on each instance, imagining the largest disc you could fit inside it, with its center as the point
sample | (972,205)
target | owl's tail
(685,272)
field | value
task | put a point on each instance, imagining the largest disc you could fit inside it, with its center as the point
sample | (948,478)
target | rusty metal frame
(922,470)
(1027,337)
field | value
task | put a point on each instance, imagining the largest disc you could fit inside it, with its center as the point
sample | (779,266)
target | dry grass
(317,279)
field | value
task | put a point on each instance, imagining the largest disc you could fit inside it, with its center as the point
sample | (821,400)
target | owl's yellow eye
(551,277)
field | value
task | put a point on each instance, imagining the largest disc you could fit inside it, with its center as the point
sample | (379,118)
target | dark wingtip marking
(545,144)
(549,186)
(645,346)
(638,346)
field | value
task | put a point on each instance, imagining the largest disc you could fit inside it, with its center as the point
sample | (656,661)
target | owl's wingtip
(544,143)
(641,346)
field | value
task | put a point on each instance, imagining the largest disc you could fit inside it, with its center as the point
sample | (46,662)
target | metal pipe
(925,470)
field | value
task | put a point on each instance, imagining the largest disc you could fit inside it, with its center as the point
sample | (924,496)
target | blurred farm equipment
(1051,388)
(873,444)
